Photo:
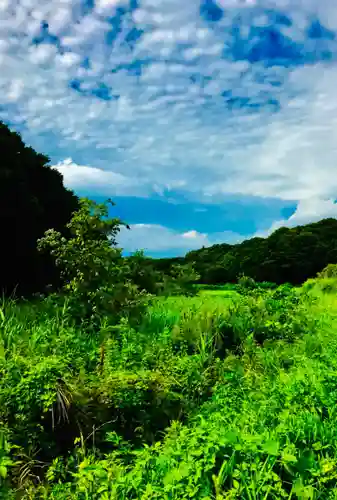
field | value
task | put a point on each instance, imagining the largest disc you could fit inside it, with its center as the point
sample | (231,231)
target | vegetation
(211,396)
(129,381)
(32,200)
(288,255)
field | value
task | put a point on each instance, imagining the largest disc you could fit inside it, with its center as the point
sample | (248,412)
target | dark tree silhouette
(32,200)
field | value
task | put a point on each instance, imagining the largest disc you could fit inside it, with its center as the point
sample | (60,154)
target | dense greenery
(221,395)
(110,392)
(288,255)
(32,200)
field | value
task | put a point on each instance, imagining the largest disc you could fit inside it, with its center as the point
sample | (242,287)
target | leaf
(3,471)
(102,489)
(271,447)
(288,458)
(231,437)
(236,484)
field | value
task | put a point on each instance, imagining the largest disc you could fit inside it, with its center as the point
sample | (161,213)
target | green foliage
(330,271)
(6,463)
(246,282)
(98,279)
(182,279)
(218,393)
(288,255)
(143,274)
(32,200)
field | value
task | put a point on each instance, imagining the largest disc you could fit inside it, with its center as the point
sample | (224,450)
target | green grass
(221,293)
(216,396)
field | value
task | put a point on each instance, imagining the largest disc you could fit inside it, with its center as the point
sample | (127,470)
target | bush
(246,283)
(330,271)
(98,278)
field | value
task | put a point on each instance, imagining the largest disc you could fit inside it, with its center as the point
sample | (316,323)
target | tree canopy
(288,255)
(33,199)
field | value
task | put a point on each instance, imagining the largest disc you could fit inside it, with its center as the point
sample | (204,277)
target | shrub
(330,271)
(246,283)
(97,276)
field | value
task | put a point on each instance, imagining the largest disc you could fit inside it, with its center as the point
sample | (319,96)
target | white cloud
(307,211)
(193,234)
(169,127)
(108,3)
(42,53)
(158,238)
(15,89)
(312,210)
(81,178)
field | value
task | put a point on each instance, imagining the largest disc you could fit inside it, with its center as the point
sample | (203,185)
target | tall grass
(217,396)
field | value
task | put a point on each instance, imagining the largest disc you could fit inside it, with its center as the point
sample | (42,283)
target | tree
(288,255)
(144,275)
(98,279)
(32,200)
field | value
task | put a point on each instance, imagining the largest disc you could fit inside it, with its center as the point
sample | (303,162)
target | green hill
(288,255)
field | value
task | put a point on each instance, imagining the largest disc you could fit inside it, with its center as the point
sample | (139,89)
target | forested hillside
(288,255)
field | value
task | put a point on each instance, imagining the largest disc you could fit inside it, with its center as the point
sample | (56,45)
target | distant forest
(34,199)
(289,255)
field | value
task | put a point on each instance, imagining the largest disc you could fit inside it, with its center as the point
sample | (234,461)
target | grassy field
(216,396)
(219,293)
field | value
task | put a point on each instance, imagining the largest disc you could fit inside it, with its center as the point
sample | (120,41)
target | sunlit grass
(220,293)
(245,386)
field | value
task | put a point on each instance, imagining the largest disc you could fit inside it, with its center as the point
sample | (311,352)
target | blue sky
(206,121)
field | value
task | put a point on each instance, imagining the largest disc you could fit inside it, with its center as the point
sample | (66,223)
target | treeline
(33,199)
(289,255)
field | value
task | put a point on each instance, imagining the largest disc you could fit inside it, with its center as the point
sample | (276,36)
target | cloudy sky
(205,120)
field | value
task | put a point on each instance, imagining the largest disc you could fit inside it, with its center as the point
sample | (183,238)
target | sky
(206,121)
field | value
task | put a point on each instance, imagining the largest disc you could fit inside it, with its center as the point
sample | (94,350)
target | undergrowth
(210,397)
(117,387)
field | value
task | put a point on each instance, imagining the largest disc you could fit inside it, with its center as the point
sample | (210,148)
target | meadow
(219,395)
